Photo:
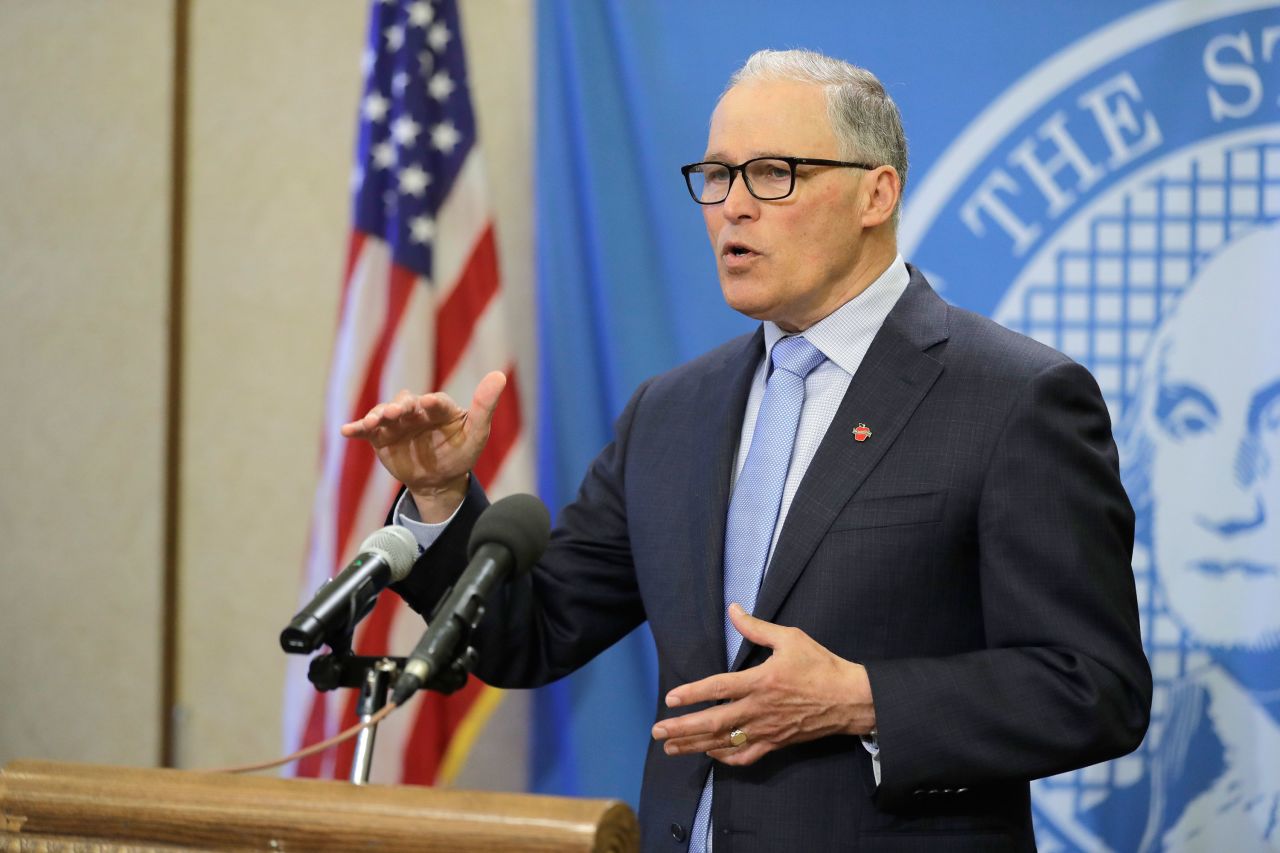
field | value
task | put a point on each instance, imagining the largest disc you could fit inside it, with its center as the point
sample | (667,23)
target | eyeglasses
(767,178)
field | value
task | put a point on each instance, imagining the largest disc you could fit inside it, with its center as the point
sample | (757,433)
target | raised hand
(430,443)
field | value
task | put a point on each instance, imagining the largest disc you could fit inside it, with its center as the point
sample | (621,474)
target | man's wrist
(438,503)
(862,710)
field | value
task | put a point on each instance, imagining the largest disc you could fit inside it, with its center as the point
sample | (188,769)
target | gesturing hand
(802,692)
(429,443)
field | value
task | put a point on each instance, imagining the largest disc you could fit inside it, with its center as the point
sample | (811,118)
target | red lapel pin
(861,433)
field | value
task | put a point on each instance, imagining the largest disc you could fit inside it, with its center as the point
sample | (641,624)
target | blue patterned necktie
(753,510)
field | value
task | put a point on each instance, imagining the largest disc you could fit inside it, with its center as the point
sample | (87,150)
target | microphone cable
(313,749)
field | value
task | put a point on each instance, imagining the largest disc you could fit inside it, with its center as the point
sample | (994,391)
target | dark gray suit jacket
(974,554)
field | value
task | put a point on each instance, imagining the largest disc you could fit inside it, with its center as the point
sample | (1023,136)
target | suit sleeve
(1063,682)
(578,600)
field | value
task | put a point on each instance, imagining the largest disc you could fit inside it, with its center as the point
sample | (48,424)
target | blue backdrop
(1076,170)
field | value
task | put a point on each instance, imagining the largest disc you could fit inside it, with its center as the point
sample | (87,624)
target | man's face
(1215,474)
(794,260)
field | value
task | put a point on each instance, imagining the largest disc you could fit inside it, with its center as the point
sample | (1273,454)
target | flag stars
(420,14)
(406,124)
(375,106)
(422,229)
(440,86)
(445,137)
(414,181)
(405,130)
(394,36)
(438,36)
(384,155)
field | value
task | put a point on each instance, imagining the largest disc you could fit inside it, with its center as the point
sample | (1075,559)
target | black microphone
(508,536)
(343,600)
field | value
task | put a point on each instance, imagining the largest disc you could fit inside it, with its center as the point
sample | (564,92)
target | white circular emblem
(1122,204)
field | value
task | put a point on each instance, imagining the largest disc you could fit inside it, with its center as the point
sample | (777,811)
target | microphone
(342,601)
(508,536)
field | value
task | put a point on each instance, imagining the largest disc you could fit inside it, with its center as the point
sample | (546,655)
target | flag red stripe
(458,315)
(358,457)
(503,432)
(436,718)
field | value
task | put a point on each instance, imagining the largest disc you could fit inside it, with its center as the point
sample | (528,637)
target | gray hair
(862,115)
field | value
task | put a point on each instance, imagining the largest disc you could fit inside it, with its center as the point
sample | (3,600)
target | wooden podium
(50,806)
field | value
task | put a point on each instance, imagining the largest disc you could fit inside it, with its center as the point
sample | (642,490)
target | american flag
(421,309)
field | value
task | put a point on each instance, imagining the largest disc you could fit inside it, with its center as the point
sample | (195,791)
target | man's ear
(883,188)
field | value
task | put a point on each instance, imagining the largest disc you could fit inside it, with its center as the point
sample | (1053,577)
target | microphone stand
(373,695)
(374,677)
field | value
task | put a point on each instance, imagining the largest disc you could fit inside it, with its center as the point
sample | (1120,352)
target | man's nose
(740,204)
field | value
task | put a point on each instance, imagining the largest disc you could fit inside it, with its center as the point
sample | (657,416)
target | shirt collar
(845,334)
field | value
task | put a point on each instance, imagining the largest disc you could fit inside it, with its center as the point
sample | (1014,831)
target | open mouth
(734,251)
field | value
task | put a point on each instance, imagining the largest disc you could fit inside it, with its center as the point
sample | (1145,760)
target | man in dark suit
(921,509)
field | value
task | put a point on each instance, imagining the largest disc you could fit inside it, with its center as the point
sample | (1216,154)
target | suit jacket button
(677,832)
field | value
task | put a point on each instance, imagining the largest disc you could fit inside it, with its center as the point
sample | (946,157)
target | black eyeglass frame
(742,167)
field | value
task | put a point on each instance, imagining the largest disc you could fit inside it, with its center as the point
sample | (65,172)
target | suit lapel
(724,391)
(893,378)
